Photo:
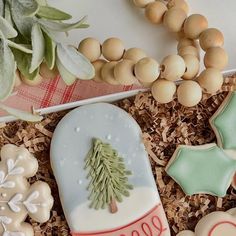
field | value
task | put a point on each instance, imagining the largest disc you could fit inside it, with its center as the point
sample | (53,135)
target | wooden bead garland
(127,67)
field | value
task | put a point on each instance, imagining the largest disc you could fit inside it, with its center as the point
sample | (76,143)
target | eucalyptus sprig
(28,37)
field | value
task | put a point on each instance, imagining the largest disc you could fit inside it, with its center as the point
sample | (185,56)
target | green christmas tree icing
(108,176)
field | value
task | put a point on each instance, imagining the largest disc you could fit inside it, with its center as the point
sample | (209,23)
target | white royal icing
(113,125)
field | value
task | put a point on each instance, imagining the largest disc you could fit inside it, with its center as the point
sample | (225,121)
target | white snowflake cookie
(18,198)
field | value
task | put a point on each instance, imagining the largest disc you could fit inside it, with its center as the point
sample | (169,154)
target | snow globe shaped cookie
(104,176)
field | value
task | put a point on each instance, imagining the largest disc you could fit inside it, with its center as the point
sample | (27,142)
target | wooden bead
(195,25)
(134,54)
(174,19)
(98,65)
(155,12)
(18,81)
(107,73)
(163,90)
(184,42)
(192,67)
(211,80)
(142,3)
(46,73)
(216,58)
(90,48)
(35,82)
(211,38)
(113,49)
(179,35)
(189,93)
(146,84)
(124,72)
(189,50)
(173,67)
(147,70)
(179,4)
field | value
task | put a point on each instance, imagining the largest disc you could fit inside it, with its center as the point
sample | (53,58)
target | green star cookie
(202,169)
(223,123)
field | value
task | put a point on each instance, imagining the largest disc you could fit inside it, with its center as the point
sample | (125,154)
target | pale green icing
(225,123)
(206,170)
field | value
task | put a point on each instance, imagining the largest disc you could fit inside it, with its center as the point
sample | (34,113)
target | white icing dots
(2,208)
(77,129)
(108,137)
(129,162)
(3,195)
(80,182)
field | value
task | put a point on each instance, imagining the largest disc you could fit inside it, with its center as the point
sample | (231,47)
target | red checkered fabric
(55,92)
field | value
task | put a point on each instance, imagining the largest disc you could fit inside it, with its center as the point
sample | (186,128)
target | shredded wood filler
(164,127)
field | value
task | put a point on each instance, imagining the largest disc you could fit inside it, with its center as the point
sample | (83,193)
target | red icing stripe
(219,224)
(149,225)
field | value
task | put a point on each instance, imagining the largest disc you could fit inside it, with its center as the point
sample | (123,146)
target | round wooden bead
(107,73)
(189,93)
(189,50)
(216,58)
(174,19)
(146,84)
(134,54)
(184,42)
(173,67)
(211,80)
(194,25)
(192,67)
(142,3)
(211,38)
(155,12)
(46,73)
(113,49)
(179,35)
(90,48)
(147,70)
(35,82)
(163,90)
(124,72)
(178,4)
(98,65)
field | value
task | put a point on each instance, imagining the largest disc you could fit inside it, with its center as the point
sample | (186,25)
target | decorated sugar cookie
(223,123)
(215,224)
(17,198)
(202,169)
(104,176)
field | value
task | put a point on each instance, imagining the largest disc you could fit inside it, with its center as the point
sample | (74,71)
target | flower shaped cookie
(17,198)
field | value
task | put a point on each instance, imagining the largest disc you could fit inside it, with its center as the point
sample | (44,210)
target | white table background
(119,18)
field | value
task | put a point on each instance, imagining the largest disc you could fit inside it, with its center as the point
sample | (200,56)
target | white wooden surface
(120,18)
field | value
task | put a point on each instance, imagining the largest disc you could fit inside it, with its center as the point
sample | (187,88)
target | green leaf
(26,116)
(7,70)
(6,28)
(76,63)
(50,51)
(26,7)
(68,78)
(23,24)
(22,47)
(7,14)
(23,63)
(38,45)
(52,13)
(42,2)
(2,7)
(62,27)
